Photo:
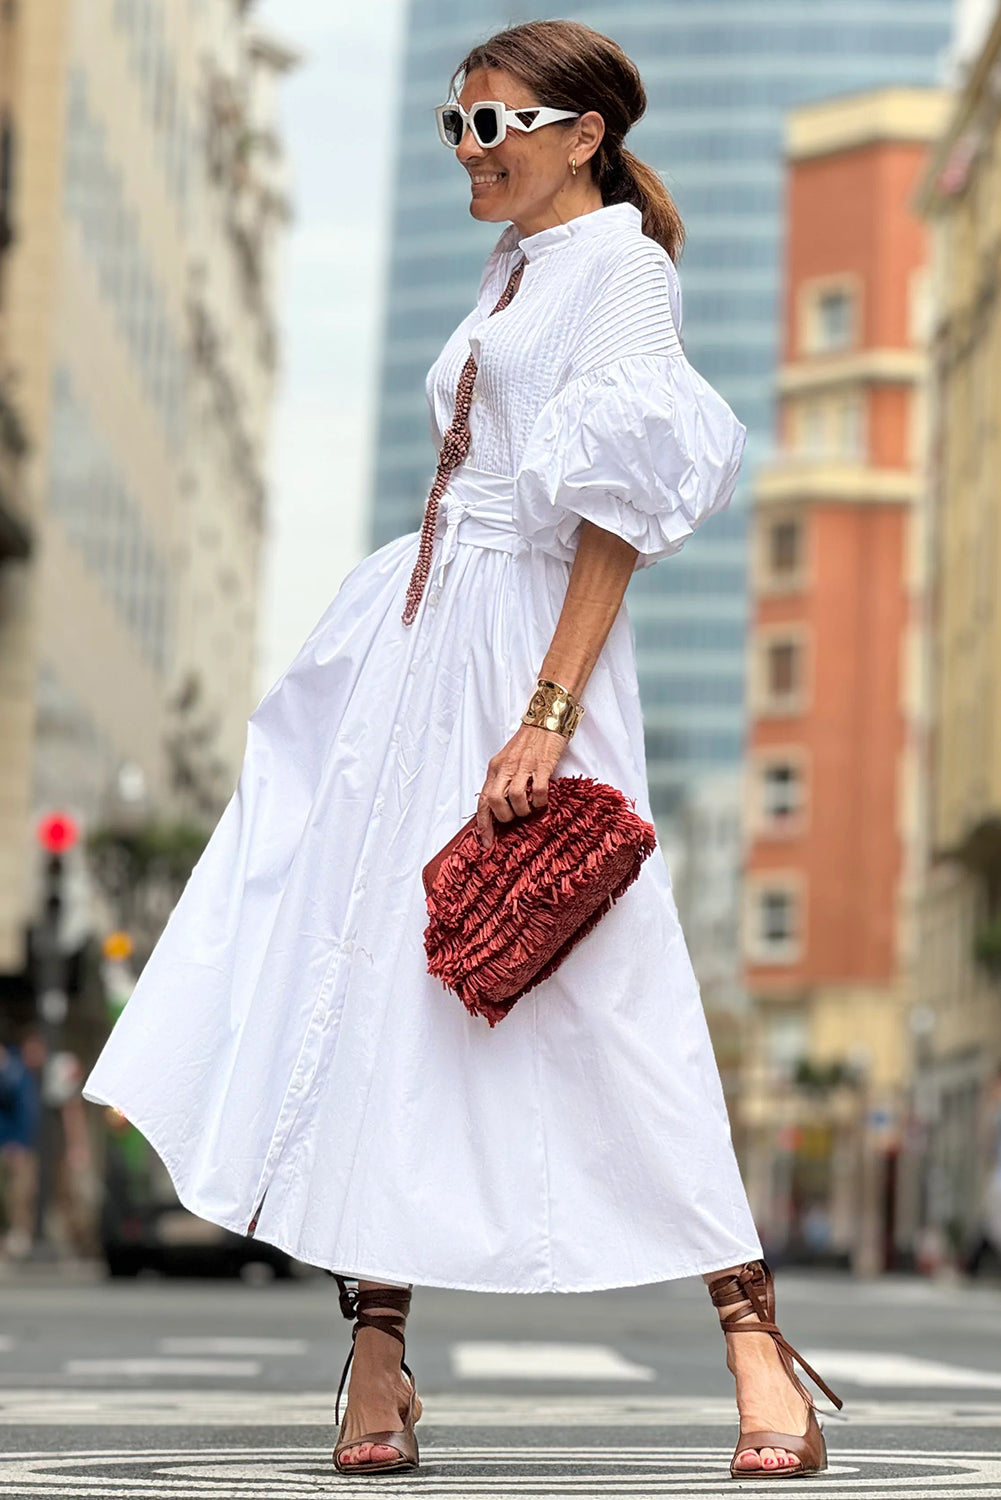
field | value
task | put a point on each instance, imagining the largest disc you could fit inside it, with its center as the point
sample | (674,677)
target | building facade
(16,706)
(958,1039)
(138,325)
(719,77)
(837,692)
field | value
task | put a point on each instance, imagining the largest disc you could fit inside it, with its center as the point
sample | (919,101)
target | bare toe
(369,1453)
(384,1453)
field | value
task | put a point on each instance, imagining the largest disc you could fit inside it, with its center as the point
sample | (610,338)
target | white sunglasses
(490,120)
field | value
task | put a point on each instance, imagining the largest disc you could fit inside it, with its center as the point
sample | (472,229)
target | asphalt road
(193,1389)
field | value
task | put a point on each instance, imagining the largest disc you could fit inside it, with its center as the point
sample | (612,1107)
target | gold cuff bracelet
(553,707)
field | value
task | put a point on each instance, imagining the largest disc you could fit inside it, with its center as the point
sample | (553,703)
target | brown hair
(569,66)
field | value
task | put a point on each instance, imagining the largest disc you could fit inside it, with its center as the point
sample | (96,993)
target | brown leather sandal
(752,1286)
(369,1310)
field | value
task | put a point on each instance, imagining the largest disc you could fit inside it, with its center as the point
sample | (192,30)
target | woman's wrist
(552,706)
(571,674)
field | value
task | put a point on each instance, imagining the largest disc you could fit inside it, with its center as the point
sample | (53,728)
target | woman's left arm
(601,570)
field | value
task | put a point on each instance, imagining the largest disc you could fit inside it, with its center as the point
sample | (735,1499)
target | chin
(489,213)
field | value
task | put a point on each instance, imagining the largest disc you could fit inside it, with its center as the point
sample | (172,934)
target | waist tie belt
(476,509)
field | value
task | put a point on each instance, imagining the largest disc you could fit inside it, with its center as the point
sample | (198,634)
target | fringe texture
(503,919)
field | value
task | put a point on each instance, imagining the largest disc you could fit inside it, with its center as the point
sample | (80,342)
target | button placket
(310,1059)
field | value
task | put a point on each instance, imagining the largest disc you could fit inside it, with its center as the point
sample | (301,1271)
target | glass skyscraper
(719,75)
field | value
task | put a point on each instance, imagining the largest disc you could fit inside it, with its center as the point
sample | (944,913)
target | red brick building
(836,680)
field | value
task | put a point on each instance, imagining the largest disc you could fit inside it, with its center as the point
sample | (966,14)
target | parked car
(144,1227)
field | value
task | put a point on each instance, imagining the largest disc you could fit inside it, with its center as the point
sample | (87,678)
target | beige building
(958,1033)
(138,331)
(16,691)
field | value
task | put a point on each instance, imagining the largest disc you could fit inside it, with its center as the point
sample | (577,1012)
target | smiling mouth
(486,177)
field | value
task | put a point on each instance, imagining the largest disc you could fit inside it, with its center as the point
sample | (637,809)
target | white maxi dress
(285,1050)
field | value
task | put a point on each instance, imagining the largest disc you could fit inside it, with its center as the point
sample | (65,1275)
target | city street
(184,1389)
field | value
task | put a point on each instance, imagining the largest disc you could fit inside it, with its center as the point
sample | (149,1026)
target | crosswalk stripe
(495,1360)
(181,1345)
(864,1367)
(136,1369)
(162,1407)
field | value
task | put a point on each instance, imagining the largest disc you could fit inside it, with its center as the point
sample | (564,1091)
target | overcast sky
(330,305)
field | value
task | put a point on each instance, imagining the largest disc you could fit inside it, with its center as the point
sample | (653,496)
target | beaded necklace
(455,446)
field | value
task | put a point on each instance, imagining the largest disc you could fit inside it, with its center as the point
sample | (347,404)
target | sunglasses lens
(451,124)
(487,125)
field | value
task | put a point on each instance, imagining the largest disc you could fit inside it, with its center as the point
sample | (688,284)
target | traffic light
(52,891)
(56,832)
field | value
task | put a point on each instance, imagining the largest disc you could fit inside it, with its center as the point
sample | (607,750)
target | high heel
(752,1285)
(364,1307)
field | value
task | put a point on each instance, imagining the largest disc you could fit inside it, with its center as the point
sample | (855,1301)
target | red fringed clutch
(503,919)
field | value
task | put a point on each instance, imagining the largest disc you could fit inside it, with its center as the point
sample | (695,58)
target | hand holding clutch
(503,919)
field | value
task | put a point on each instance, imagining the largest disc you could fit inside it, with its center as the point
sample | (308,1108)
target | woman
(285,1050)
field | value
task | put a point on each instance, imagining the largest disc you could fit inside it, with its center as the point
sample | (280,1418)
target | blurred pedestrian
(987,1243)
(20,1107)
(76,1190)
(285,1050)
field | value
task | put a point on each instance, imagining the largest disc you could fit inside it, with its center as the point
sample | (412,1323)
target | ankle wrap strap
(392,1302)
(750,1288)
(750,1283)
(385,1308)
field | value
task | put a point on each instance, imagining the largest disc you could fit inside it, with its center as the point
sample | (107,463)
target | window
(106,523)
(783,669)
(715,689)
(814,427)
(785,546)
(778,917)
(780,550)
(849,435)
(828,315)
(666,799)
(775,919)
(781,791)
(701,635)
(827,428)
(699,745)
(834,320)
(95,197)
(787,1042)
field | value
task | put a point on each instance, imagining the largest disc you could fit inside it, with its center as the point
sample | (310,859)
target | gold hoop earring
(573,165)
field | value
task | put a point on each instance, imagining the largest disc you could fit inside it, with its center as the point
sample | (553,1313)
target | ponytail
(623,178)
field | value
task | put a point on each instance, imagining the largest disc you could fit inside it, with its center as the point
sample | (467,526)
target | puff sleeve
(635,440)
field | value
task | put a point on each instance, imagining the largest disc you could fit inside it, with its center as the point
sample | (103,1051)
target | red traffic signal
(57,832)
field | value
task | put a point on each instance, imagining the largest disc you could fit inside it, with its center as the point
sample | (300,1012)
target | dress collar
(599,221)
